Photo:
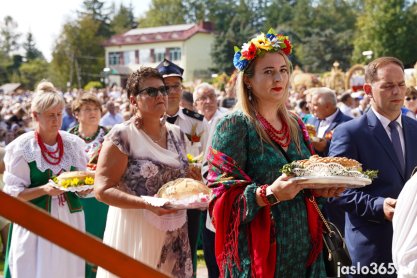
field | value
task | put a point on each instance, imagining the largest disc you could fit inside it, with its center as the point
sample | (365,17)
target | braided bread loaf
(344,161)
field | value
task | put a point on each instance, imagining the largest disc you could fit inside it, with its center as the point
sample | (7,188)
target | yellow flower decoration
(55,180)
(74,181)
(261,42)
(190,158)
(65,183)
(89,181)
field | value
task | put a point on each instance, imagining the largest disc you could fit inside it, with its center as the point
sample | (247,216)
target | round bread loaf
(80,175)
(182,188)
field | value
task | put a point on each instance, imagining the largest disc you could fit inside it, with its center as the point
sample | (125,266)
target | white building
(187,45)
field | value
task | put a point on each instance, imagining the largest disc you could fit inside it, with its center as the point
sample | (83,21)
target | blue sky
(45,18)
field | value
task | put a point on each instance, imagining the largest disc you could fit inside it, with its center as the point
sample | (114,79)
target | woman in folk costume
(31,160)
(87,111)
(265,224)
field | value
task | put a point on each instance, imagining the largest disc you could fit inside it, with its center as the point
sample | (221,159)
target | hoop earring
(138,122)
(163,119)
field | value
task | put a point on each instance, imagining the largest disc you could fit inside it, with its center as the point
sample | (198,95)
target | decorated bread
(348,163)
(182,188)
(327,166)
(75,178)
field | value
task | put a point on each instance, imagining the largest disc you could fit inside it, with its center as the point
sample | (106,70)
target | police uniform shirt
(192,124)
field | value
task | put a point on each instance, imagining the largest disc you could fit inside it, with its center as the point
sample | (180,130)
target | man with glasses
(205,101)
(192,125)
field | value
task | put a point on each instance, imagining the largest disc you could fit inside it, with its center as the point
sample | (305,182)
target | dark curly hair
(136,79)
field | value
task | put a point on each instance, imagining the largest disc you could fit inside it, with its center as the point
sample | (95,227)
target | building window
(114,58)
(145,56)
(129,57)
(175,54)
(159,55)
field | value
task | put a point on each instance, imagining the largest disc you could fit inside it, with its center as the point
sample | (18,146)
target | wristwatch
(270,196)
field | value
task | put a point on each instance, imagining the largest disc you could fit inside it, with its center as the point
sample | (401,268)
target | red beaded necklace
(281,137)
(52,157)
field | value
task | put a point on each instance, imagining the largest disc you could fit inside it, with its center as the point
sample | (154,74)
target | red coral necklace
(52,157)
(281,137)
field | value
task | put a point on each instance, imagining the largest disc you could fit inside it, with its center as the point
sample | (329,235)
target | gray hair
(46,96)
(203,86)
(327,95)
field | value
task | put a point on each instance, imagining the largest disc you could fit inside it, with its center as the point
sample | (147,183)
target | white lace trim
(167,222)
(73,152)
(320,169)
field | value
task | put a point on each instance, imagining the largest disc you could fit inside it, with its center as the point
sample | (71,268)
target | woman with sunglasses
(410,102)
(137,158)
(87,110)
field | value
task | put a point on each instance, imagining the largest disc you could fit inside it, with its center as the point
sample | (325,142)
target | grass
(1,267)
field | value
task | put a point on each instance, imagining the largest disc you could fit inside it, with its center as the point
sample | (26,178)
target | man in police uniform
(192,125)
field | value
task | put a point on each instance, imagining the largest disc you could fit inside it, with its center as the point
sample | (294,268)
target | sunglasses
(410,98)
(153,92)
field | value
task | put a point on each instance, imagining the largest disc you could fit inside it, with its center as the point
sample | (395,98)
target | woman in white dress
(404,222)
(136,159)
(31,160)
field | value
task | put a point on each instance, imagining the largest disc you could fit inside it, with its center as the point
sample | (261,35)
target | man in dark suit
(326,118)
(381,139)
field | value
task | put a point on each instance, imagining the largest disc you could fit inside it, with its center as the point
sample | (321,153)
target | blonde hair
(249,107)
(46,96)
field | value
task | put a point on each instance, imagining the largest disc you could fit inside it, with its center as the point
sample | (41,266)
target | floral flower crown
(271,42)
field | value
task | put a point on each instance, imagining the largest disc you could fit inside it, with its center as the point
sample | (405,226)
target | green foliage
(32,72)
(323,48)
(387,27)
(9,36)
(163,12)
(5,62)
(78,56)
(123,20)
(99,13)
(93,84)
(30,47)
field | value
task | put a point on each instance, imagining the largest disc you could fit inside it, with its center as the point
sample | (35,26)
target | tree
(163,12)
(223,51)
(123,20)
(384,28)
(324,48)
(5,61)
(33,71)
(9,36)
(96,10)
(29,46)
(78,56)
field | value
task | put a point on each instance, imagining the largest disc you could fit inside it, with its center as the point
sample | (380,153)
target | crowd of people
(260,222)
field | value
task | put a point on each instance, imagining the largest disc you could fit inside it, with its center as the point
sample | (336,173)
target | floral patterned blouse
(149,167)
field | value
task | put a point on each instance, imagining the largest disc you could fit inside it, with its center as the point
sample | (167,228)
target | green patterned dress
(236,137)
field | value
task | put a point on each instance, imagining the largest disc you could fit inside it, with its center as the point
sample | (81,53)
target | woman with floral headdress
(265,224)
